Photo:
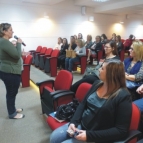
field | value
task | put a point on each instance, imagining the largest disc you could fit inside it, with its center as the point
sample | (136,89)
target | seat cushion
(54,124)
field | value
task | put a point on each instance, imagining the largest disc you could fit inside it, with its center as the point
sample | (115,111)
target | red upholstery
(37,56)
(61,84)
(53,62)
(81,92)
(123,40)
(135,120)
(33,52)
(122,55)
(28,60)
(43,57)
(37,50)
(25,76)
(23,58)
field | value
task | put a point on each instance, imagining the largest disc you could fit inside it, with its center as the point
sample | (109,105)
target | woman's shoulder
(123,94)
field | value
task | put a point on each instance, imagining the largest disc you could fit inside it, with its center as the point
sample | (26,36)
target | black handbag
(66,111)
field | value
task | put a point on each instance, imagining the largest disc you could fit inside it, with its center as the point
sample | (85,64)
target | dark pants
(88,79)
(12,83)
(61,61)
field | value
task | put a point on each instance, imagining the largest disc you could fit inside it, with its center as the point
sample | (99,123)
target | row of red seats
(25,76)
(55,93)
(46,59)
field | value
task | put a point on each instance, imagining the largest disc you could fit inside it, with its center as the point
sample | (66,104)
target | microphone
(17,38)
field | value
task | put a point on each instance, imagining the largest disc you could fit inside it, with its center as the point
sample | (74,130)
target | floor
(33,128)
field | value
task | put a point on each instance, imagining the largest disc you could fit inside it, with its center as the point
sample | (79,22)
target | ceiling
(115,7)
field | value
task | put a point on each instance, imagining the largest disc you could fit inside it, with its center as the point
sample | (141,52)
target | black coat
(113,119)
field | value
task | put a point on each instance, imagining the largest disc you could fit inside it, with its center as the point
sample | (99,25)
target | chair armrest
(46,81)
(68,93)
(32,51)
(132,134)
(59,92)
(45,55)
(51,57)
(26,65)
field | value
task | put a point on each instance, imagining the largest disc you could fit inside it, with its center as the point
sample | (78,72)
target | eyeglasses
(106,47)
(131,49)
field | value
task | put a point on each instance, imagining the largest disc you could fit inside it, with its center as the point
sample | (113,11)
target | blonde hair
(138,49)
(80,42)
(90,37)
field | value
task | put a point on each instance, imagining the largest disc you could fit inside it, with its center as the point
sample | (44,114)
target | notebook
(53,115)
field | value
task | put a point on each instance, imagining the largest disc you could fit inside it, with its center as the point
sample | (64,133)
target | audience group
(105,113)
(116,77)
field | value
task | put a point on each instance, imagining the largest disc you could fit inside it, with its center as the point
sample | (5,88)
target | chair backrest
(135,117)
(63,80)
(55,53)
(49,51)
(43,50)
(38,48)
(82,90)
(28,60)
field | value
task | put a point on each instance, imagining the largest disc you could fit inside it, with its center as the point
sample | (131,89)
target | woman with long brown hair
(104,115)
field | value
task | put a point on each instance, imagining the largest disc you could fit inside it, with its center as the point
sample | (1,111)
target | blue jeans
(12,83)
(60,136)
(69,63)
(139,103)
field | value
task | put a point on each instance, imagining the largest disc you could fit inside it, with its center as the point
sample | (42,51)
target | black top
(113,119)
(120,46)
(73,46)
(97,47)
(63,49)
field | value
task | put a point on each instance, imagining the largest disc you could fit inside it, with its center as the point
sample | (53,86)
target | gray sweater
(80,51)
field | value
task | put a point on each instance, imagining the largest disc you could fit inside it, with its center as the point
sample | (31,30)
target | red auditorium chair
(51,63)
(37,56)
(43,57)
(141,40)
(37,50)
(80,93)
(33,52)
(48,89)
(122,55)
(123,40)
(98,56)
(133,131)
(25,76)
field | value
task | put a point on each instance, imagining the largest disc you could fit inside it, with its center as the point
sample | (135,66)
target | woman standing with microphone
(10,68)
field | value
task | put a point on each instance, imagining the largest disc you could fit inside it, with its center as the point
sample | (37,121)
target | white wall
(65,20)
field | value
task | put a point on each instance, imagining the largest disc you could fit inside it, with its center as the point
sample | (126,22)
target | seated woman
(88,43)
(59,44)
(80,51)
(110,53)
(113,37)
(81,38)
(62,55)
(134,67)
(104,115)
(119,44)
(95,47)
(104,39)
(128,42)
